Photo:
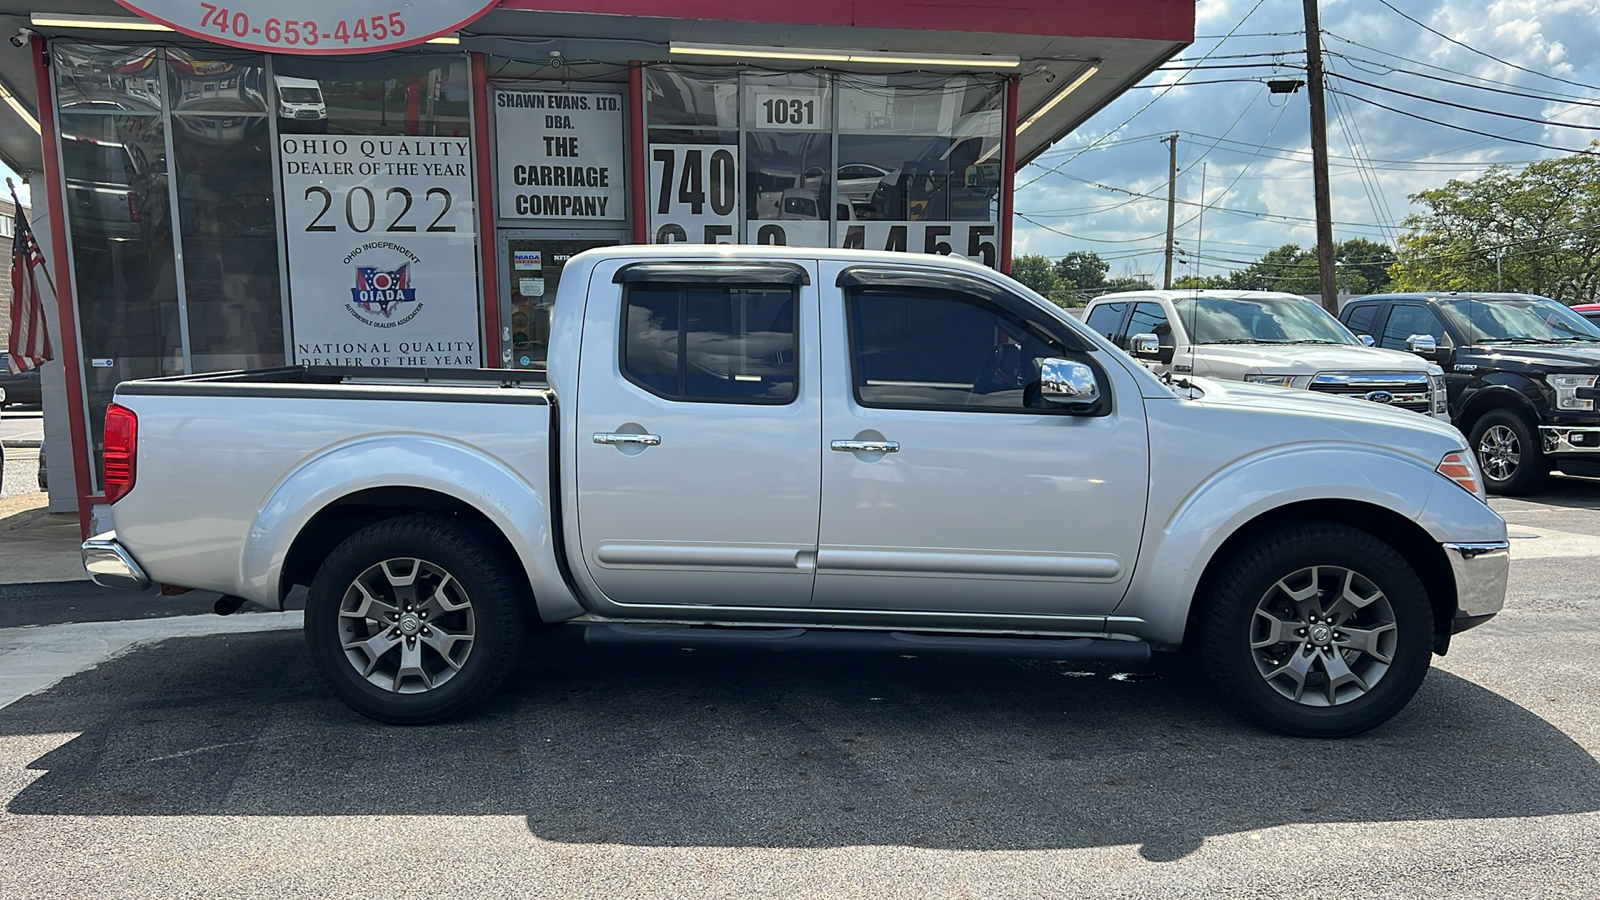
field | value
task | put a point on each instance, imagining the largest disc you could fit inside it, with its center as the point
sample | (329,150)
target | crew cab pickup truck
(1521,374)
(1264,337)
(788,449)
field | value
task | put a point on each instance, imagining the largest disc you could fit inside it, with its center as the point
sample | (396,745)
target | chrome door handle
(858,446)
(612,437)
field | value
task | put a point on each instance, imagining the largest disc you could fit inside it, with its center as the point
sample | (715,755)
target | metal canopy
(1135,36)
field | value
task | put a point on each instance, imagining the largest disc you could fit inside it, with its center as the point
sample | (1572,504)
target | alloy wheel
(406,625)
(1323,636)
(1499,452)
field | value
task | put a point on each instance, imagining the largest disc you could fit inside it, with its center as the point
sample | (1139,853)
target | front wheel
(415,619)
(1509,453)
(1318,629)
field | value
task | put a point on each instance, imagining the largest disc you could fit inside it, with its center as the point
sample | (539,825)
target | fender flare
(1177,550)
(1502,389)
(488,485)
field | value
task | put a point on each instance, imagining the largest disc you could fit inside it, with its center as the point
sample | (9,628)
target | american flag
(30,337)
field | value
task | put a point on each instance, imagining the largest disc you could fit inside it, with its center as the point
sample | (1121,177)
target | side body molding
(514,505)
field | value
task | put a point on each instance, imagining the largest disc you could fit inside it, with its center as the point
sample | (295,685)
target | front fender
(1181,539)
(1502,389)
(505,498)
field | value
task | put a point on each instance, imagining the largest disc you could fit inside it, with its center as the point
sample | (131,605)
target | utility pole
(1319,159)
(1172,202)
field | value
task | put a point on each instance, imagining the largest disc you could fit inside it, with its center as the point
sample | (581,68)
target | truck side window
(1104,319)
(931,349)
(711,343)
(1149,318)
(1359,318)
(1406,319)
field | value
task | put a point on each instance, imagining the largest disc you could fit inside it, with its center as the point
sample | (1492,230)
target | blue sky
(1261,198)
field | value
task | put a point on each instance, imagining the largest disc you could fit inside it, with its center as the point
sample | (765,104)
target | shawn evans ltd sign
(560,154)
(313,26)
(382,250)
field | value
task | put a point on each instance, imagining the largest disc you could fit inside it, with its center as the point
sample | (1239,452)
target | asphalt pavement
(217,764)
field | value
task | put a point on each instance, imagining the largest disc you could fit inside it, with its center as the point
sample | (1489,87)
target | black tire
(1530,469)
(484,597)
(1229,623)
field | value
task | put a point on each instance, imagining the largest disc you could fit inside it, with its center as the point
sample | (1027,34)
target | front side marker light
(1463,470)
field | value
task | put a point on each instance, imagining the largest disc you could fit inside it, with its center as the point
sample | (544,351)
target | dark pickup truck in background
(1520,370)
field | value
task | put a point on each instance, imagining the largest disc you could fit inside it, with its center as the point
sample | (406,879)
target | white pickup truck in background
(1264,337)
(793,448)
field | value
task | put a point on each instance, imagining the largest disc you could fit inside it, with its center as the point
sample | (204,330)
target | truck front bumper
(110,564)
(1481,571)
(1569,440)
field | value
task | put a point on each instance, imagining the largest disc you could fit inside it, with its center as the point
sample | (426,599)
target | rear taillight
(122,451)
(133,208)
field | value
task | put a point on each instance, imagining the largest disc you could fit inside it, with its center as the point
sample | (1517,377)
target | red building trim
(1008,171)
(77,418)
(636,151)
(488,253)
(1156,20)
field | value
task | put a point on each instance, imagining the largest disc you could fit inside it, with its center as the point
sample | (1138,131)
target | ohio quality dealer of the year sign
(312,26)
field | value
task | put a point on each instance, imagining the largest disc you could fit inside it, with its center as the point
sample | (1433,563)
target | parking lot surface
(217,765)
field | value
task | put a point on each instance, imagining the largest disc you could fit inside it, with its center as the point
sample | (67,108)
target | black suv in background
(1520,371)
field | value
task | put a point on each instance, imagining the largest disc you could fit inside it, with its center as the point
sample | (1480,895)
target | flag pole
(12,186)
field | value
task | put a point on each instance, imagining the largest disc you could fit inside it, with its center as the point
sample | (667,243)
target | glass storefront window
(788,159)
(230,241)
(418,95)
(106,79)
(229,84)
(115,169)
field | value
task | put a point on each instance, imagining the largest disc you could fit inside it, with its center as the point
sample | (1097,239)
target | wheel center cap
(410,624)
(1321,635)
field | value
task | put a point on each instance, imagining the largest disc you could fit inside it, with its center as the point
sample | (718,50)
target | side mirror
(1067,383)
(1366,339)
(1144,346)
(1422,344)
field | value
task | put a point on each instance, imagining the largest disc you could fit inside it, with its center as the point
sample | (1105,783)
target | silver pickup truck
(787,449)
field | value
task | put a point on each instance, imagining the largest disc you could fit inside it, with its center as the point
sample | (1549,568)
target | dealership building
(400,183)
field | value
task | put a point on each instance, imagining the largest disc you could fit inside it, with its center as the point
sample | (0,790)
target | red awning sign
(313,27)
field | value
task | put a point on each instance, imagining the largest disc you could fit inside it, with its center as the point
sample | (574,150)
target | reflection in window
(422,95)
(230,243)
(1149,318)
(943,350)
(106,79)
(1406,320)
(126,285)
(235,84)
(711,343)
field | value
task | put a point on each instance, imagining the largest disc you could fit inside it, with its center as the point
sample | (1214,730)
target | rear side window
(1406,319)
(711,343)
(1359,318)
(930,349)
(1105,318)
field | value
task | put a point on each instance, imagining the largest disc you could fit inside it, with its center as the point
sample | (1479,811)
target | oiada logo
(381,294)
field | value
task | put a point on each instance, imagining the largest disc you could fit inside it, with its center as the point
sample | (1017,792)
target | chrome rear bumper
(1481,571)
(110,565)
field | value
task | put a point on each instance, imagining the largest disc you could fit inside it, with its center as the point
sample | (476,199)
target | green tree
(1083,271)
(1038,272)
(1541,225)
(1362,266)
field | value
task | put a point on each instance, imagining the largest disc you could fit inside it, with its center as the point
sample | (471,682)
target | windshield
(300,95)
(1531,320)
(1259,320)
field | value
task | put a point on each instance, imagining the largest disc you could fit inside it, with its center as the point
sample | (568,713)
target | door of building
(531,261)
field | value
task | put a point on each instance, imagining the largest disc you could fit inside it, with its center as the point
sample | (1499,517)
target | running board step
(1075,649)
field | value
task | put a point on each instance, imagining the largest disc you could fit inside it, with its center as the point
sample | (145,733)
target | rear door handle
(859,446)
(612,437)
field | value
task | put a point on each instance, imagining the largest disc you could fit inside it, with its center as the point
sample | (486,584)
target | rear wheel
(1509,453)
(415,619)
(1317,629)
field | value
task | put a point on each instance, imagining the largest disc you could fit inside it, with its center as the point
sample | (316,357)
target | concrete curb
(21,445)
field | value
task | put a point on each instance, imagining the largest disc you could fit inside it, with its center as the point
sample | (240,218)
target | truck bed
(347,382)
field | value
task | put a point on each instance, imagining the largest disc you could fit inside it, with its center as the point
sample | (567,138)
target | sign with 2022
(313,26)
(382,250)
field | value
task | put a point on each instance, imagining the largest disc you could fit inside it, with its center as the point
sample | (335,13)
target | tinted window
(1359,318)
(1406,320)
(1104,319)
(943,350)
(711,343)
(1150,318)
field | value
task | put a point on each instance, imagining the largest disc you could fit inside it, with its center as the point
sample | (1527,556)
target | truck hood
(1573,358)
(1238,360)
(1297,415)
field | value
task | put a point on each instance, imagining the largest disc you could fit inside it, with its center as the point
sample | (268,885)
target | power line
(1369,179)
(1484,54)
(1449,71)
(1498,137)
(1357,62)
(1487,112)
